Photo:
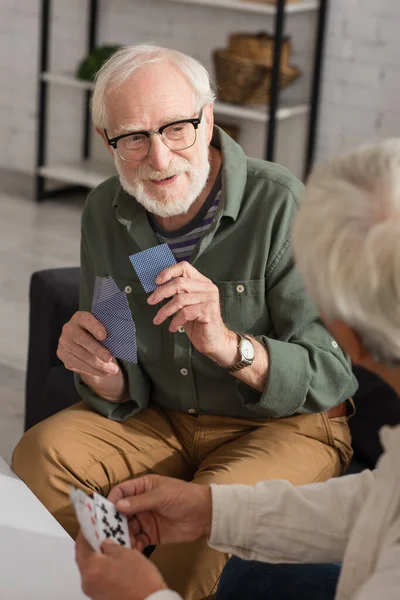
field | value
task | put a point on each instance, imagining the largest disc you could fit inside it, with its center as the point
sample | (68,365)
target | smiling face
(166,182)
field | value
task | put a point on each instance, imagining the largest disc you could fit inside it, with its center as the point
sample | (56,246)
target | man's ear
(102,134)
(209,118)
(349,340)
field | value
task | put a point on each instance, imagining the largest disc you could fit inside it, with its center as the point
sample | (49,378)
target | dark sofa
(50,387)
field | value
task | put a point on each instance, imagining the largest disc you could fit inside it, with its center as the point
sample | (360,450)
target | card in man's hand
(149,263)
(99,519)
(110,306)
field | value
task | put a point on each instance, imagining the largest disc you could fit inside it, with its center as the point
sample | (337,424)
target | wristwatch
(247,354)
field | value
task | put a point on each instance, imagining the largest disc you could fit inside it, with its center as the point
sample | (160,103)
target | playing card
(149,263)
(110,306)
(109,297)
(99,519)
(104,289)
(121,336)
(86,514)
(111,524)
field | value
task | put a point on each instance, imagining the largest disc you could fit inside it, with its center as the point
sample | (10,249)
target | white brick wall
(361,81)
(360,99)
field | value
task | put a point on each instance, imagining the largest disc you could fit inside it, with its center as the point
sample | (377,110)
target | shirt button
(240,288)
(184,371)
(181,329)
(335,344)
(128,289)
(192,411)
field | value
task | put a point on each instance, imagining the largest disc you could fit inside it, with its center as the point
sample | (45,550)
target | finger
(133,505)
(188,314)
(122,490)
(73,339)
(81,370)
(142,541)
(87,321)
(181,269)
(179,286)
(134,527)
(142,530)
(181,301)
(116,494)
(135,486)
(83,551)
(75,363)
(111,548)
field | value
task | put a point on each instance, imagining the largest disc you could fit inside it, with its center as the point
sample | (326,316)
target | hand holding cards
(99,519)
(110,305)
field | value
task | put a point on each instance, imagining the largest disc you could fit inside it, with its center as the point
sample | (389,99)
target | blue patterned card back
(110,306)
(149,263)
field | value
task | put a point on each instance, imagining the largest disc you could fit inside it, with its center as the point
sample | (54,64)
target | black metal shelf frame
(270,131)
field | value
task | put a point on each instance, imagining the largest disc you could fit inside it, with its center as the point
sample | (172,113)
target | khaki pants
(80,447)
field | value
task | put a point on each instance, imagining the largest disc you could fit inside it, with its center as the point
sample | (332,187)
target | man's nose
(159,155)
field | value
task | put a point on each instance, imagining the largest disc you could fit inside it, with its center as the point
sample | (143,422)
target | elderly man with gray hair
(334,540)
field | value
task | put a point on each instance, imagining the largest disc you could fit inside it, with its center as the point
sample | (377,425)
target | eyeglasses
(135,146)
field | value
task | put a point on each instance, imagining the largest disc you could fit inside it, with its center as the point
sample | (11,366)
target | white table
(36,554)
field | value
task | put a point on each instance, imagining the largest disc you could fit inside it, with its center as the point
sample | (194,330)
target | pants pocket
(339,437)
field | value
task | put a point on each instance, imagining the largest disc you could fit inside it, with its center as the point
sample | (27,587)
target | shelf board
(67,79)
(86,173)
(255,7)
(259,114)
(220,108)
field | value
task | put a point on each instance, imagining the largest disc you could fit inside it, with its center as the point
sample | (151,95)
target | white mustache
(147,173)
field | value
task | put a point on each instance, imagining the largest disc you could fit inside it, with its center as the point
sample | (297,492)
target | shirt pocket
(244,307)
(148,336)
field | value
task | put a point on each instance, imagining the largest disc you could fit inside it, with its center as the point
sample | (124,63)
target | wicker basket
(242,81)
(260,48)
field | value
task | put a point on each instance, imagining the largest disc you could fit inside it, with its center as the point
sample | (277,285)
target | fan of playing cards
(99,519)
(110,305)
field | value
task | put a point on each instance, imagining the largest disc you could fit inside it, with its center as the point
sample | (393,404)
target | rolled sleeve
(138,388)
(232,528)
(307,371)
(289,376)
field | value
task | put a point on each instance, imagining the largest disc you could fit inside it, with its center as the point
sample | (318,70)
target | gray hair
(126,61)
(346,239)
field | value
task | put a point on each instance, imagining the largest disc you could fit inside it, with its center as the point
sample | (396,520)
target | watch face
(247,349)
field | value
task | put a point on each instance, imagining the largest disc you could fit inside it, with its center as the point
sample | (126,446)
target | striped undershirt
(183,241)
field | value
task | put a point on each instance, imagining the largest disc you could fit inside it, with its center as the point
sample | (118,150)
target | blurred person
(237,379)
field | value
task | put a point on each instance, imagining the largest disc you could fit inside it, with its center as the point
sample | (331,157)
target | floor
(32,236)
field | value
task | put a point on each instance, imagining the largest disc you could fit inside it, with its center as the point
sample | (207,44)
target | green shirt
(246,252)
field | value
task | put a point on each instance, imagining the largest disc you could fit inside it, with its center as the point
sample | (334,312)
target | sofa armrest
(54,298)
(376,405)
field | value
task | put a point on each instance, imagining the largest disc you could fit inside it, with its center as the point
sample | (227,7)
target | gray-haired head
(124,63)
(347,244)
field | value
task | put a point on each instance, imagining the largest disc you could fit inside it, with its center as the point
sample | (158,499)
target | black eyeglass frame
(195,122)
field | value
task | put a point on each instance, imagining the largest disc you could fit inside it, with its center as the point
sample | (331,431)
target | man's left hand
(195,305)
(117,574)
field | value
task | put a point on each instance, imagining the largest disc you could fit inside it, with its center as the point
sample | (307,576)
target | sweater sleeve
(275,521)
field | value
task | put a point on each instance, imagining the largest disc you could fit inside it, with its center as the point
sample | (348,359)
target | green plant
(91,64)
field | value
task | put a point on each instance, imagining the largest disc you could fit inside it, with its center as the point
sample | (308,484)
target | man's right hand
(163,510)
(79,349)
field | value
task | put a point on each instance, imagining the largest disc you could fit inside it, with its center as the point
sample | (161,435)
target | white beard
(172,205)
